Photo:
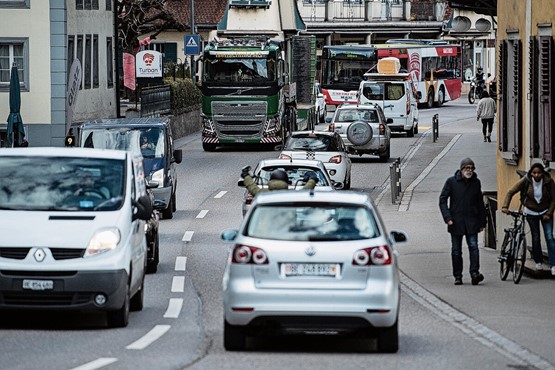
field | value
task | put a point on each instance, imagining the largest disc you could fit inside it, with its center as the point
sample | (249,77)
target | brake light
(331,127)
(382,129)
(243,254)
(284,156)
(372,256)
(335,159)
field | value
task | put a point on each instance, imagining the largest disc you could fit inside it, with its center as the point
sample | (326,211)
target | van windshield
(149,141)
(375,91)
(61,183)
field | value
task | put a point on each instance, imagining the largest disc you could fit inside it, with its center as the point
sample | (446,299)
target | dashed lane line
(149,337)
(188,236)
(202,213)
(180,263)
(96,364)
(220,194)
(174,308)
(178,284)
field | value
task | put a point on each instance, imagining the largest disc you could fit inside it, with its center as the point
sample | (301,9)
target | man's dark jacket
(461,201)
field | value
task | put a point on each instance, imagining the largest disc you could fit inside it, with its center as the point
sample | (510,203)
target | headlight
(272,123)
(159,176)
(103,241)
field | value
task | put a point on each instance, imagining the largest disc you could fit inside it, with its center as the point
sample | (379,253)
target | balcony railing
(350,10)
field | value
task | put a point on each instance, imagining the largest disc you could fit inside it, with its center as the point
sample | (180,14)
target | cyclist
(538,196)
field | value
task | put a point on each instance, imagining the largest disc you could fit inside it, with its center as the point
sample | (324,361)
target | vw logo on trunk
(310,251)
(39,255)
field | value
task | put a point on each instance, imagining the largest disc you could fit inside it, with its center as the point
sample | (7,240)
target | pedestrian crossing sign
(192,45)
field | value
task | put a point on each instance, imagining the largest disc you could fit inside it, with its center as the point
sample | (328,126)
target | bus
(435,66)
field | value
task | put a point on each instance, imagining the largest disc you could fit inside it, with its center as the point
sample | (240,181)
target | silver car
(364,129)
(305,262)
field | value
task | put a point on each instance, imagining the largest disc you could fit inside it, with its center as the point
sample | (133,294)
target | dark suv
(152,137)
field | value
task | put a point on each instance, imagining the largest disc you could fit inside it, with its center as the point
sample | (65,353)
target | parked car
(72,229)
(305,262)
(364,130)
(324,146)
(321,111)
(158,151)
(295,168)
(396,95)
(152,233)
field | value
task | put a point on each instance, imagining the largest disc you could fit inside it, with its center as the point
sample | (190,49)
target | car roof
(139,122)
(308,132)
(369,106)
(339,197)
(291,162)
(64,152)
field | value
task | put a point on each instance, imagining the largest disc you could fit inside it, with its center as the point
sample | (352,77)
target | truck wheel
(359,133)
(208,147)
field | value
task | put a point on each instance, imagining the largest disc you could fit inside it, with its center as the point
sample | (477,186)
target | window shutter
(533,97)
(545,89)
(501,88)
(515,119)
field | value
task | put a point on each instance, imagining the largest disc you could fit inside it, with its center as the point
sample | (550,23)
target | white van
(395,94)
(73,230)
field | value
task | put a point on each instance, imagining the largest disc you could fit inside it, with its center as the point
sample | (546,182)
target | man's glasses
(469,168)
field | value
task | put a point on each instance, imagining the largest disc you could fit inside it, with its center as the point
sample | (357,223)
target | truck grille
(244,119)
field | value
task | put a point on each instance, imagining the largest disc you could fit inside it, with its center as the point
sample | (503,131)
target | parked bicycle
(513,249)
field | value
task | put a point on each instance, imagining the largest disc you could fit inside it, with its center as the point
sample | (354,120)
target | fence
(155,101)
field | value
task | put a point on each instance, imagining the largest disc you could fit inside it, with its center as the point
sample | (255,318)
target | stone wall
(186,123)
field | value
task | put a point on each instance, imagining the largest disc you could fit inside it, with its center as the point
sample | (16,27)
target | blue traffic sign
(192,45)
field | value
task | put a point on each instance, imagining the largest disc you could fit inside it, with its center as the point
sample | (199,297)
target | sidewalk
(426,258)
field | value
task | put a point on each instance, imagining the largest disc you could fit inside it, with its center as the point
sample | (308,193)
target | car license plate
(309,269)
(38,284)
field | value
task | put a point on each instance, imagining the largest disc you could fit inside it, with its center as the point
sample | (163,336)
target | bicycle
(513,249)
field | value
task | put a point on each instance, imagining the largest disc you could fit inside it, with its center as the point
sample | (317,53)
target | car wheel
(152,266)
(167,212)
(388,339)
(208,147)
(384,157)
(137,301)
(174,203)
(235,338)
(430,102)
(120,318)
(359,133)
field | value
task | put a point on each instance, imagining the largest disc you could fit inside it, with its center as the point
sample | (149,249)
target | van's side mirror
(177,155)
(143,208)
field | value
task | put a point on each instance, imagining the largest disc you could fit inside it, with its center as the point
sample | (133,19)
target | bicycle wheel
(520,258)
(504,256)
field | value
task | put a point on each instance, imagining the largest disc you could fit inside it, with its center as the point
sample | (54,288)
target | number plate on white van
(38,284)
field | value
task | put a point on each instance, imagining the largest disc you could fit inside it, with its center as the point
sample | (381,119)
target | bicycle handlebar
(515,213)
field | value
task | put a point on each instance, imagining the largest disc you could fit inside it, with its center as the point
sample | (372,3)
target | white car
(73,230)
(321,111)
(303,262)
(295,168)
(364,130)
(324,146)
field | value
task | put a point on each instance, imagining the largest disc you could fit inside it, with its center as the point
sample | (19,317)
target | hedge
(185,96)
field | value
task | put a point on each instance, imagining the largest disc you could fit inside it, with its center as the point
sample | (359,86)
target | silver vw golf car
(312,262)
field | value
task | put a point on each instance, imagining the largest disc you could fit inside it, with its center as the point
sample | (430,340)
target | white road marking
(174,308)
(180,263)
(149,337)
(220,194)
(202,213)
(187,236)
(96,364)
(178,284)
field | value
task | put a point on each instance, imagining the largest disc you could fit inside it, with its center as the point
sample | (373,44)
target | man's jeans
(456,254)
(534,223)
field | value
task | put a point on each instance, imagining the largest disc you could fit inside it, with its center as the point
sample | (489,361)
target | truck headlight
(158,176)
(272,123)
(103,240)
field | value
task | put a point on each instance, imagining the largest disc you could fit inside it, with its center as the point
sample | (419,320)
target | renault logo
(310,251)
(39,255)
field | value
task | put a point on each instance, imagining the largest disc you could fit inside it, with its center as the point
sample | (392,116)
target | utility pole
(193,72)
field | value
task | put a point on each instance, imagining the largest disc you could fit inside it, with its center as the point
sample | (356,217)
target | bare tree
(143,17)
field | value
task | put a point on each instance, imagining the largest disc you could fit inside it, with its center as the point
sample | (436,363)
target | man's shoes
(553,270)
(458,281)
(485,138)
(477,278)
(539,267)
(489,138)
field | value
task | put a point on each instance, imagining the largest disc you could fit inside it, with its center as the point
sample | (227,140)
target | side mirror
(143,208)
(151,184)
(398,236)
(241,183)
(229,235)
(338,185)
(177,155)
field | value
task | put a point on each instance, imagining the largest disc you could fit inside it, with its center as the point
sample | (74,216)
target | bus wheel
(440,97)
(430,102)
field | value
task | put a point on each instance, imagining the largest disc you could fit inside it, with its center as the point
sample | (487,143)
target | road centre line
(180,263)
(220,194)
(96,364)
(188,236)
(471,327)
(178,284)
(202,213)
(174,308)
(149,337)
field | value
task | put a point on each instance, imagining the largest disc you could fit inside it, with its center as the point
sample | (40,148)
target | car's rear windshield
(351,115)
(383,90)
(295,174)
(322,143)
(311,222)
(61,183)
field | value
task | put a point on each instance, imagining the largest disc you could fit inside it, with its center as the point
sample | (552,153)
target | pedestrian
(487,107)
(463,210)
(537,191)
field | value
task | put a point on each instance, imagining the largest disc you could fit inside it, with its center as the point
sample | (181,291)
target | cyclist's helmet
(279,175)
(480,69)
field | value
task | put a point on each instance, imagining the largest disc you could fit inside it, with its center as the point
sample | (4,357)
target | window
(88,61)
(95,61)
(13,51)
(70,53)
(311,2)
(15,4)
(540,89)
(79,54)
(109,62)
(109,5)
(88,4)
(79,5)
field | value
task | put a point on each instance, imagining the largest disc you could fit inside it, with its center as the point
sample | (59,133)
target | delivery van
(73,231)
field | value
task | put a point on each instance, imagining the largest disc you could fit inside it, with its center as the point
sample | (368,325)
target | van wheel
(137,301)
(120,318)
(440,97)
(415,124)
(152,267)
(174,203)
(410,133)
(430,102)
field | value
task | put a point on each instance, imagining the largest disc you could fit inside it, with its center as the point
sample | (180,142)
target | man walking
(463,210)
(487,107)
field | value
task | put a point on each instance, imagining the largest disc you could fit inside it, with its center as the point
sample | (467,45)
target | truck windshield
(61,183)
(240,70)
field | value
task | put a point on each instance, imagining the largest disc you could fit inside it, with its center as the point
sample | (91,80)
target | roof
(207,12)
(487,7)
(291,162)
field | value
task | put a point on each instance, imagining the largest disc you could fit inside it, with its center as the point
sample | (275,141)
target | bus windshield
(344,66)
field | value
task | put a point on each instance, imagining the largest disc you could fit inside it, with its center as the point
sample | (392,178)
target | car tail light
(335,159)
(243,254)
(382,129)
(372,256)
(284,156)
(331,127)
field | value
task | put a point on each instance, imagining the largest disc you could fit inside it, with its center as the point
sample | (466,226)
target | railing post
(395,179)
(435,127)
